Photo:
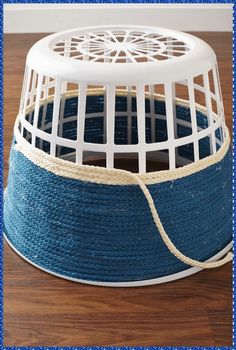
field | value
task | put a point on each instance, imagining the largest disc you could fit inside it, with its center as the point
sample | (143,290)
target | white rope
(166,239)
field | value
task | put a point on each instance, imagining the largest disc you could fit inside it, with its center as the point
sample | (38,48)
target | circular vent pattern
(121,46)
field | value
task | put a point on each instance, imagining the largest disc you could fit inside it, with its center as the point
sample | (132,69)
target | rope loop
(166,239)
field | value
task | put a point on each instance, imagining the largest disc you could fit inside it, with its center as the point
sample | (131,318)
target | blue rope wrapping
(106,233)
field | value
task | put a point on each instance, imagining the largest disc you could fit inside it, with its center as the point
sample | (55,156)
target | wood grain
(42,310)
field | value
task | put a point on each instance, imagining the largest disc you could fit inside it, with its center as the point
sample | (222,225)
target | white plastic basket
(133,61)
(120,92)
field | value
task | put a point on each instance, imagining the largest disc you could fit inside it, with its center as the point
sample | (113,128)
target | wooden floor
(42,310)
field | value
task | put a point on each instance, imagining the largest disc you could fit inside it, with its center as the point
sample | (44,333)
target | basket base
(148,282)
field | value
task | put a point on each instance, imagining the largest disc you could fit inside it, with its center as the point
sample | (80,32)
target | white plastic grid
(38,89)
(117,46)
(215,120)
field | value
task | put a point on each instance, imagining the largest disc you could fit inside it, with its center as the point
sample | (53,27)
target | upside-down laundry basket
(120,166)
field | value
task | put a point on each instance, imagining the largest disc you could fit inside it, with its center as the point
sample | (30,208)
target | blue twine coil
(106,233)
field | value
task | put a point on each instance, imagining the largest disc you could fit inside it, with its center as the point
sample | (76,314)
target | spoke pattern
(121,46)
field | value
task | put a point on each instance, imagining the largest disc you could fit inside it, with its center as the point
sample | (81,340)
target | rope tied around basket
(166,239)
(55,164)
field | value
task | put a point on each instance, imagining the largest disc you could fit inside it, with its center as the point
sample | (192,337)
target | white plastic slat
(27,90)
(61,117)
(46,87)
(170,124)
(152,112)
(106,53)
(129,114)
(45,104)
(62,110)
(37,105)
(81,122)
(104,115)
(219,85)
(221,98)
(141,123)
(55,116)
(33,87)
(193,118)
(218,97)
(86,56)
(174,109)
(110,121)
(128,38)
(209,112)
(220,107)
(67,44)
(170,50)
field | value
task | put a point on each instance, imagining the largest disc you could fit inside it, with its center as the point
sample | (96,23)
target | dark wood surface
(40,309)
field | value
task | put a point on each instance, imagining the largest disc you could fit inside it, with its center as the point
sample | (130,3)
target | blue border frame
(1,165)
(118,2)
(1,177)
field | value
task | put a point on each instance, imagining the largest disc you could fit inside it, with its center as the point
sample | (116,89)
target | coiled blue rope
(106,233)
